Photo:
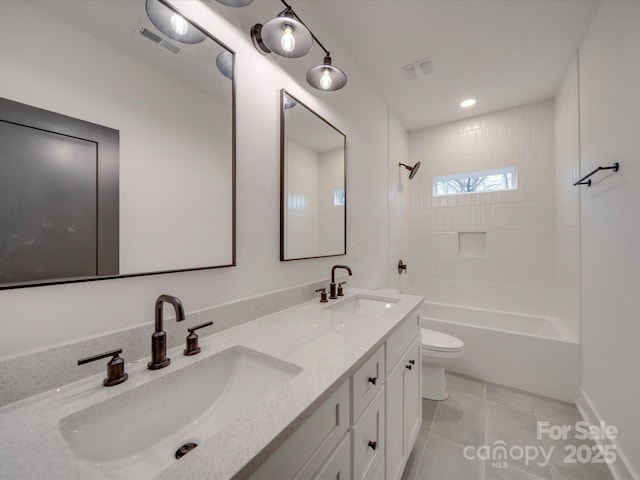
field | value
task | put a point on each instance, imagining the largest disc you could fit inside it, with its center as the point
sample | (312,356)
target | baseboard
(621,469)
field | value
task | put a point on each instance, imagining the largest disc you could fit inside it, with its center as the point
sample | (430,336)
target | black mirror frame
(233,190)
(283,193)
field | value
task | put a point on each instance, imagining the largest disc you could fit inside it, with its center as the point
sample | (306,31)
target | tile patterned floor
(478,414)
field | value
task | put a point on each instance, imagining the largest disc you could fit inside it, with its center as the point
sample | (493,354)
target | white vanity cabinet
(319,449)
(403,399)
(367,427)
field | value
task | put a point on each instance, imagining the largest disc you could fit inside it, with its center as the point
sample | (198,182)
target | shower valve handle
(402,267)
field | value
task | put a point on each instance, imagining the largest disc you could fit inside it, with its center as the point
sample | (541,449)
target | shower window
(497,180)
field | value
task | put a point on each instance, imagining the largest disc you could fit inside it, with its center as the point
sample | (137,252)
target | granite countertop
(328,345)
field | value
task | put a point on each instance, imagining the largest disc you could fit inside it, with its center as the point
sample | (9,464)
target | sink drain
(184,449)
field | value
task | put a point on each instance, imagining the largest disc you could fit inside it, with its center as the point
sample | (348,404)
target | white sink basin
(136,434)
(361,304)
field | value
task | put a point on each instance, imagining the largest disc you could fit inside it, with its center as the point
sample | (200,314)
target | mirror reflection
(313,184)
(169,97)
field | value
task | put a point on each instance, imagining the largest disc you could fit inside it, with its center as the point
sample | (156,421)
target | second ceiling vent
(419,69)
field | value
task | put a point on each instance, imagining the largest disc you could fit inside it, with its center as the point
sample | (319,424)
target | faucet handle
(340,289)
(115,368)
(323,295)
(192,339)
(402,267)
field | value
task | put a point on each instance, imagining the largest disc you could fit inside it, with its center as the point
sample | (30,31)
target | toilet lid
(441,342)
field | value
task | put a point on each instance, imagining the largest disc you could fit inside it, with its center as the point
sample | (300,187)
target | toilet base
(434,384)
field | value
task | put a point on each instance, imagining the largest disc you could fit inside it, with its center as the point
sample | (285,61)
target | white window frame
(480,173)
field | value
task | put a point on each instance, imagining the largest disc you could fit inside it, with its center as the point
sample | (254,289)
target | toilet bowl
(438,351)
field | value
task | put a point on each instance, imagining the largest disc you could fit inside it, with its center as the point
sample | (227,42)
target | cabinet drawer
(367,382)
(399,340)
(337,467)
(368,439)
(311,444)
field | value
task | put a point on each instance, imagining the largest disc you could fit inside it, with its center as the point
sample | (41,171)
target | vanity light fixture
(469,102)
(288,36)
(172,24)
(326,76)
(284,35)
(289,102)
(224,62)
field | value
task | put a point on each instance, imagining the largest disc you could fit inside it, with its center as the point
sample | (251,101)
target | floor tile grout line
(483,472)
(516,406)
(424,448)
(535,413)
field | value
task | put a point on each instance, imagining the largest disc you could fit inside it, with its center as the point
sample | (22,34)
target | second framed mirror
(313,179)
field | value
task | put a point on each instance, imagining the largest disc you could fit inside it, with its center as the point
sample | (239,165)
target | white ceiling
(504,53)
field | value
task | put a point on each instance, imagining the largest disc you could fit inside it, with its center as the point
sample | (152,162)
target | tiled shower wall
(315,225)
(398,203)
(331,221)
(303,211)
(514,269)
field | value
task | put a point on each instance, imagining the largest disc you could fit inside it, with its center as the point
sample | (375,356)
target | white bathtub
(526,352)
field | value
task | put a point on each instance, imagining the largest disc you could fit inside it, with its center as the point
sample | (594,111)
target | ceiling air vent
(157,39)
(419,69)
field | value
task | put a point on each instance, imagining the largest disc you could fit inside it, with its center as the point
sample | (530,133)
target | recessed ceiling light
(469,102)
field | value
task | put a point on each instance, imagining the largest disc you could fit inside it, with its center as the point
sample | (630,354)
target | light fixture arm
(290,8)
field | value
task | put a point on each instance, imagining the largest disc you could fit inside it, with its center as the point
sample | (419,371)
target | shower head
(413,169)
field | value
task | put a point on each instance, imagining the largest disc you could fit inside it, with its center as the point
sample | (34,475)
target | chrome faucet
(159,338)
(332,285)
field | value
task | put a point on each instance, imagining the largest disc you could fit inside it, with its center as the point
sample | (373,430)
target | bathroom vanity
(313,391)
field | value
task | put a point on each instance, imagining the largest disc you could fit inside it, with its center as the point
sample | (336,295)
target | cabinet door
(380,474)
(395,423)
(314,441)
(412,394)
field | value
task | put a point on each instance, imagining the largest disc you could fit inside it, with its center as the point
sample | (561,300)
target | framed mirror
(161,90)
(313,179)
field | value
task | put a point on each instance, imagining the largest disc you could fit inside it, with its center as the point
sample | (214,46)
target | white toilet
(439,351)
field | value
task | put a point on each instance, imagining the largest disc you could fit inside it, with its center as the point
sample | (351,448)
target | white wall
(38,317)
(517,272)
(567,206)
(609,119)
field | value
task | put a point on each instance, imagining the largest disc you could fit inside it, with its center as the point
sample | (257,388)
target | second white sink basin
(362,304)
(136,434)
